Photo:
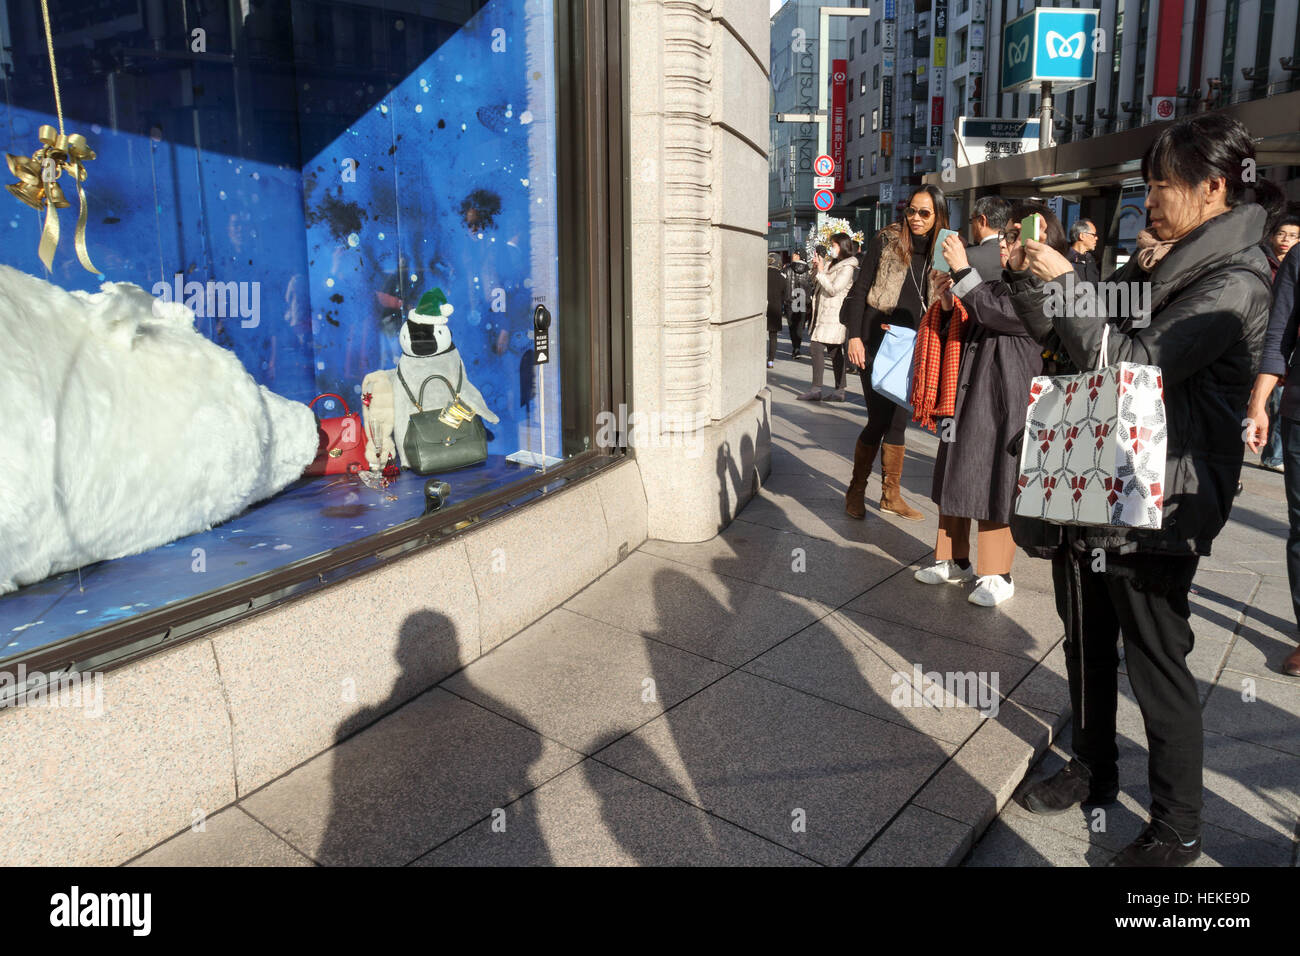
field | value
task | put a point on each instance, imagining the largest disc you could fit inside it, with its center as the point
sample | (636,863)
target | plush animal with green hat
(427,349)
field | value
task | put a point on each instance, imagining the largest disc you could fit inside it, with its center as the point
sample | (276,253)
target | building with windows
(792,146)
(1155,61)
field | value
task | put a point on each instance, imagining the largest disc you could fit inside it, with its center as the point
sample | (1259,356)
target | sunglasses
(911,211)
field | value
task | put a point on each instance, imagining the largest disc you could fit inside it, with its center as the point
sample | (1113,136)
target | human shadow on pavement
(802,744)
(424,765)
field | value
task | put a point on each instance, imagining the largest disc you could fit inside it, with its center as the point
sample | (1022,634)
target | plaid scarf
(936,366)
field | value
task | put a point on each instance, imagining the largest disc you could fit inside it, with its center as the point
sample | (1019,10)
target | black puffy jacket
(1209,312)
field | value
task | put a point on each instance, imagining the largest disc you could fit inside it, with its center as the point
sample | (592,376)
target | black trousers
(796,322)
(1290,429)
(1143,597)
(886,419)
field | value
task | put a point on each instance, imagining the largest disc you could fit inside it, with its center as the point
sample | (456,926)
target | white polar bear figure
(125,428)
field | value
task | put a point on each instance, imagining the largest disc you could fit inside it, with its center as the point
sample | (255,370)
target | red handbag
(342,446)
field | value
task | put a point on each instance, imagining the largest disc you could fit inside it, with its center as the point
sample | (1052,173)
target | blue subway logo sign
(1049,46)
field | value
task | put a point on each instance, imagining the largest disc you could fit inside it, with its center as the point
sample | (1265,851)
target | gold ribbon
(38,186)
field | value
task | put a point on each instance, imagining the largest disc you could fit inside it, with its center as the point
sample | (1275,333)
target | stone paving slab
(582,682)
(870,665)
(593,815)
(228,838)
(920,837)
(974,786)
(805,773)
(407,783)
(1025,626)
(826,571)
(720,618)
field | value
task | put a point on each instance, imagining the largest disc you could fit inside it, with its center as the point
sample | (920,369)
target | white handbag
(1094,447)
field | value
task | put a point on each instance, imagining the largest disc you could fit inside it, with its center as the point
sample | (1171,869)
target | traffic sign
(823,182)
(824,165)
(823,199)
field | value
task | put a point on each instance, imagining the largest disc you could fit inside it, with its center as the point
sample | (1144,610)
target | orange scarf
(936,366)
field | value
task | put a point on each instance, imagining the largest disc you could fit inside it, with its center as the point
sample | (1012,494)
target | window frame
(593,150)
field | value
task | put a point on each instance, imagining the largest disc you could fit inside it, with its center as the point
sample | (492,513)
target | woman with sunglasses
(894,286)
(975,363)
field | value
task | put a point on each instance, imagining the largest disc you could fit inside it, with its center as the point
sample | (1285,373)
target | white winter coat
(832,286)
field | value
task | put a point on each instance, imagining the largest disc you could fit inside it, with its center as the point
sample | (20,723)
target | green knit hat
(435,306)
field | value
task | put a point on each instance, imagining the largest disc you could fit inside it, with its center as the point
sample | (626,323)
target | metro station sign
(1049,46)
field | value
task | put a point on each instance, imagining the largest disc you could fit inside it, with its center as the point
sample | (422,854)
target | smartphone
(1029,228)
(940,262)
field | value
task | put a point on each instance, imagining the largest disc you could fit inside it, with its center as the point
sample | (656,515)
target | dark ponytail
(1207,146)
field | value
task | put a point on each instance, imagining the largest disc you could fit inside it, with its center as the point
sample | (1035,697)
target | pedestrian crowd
(987,334)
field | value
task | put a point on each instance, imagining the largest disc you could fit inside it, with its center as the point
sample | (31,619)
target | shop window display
(323,229)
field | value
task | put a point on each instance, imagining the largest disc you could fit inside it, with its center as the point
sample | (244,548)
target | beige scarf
(1151,250)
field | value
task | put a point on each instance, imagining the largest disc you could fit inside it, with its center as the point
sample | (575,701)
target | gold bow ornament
(38,186)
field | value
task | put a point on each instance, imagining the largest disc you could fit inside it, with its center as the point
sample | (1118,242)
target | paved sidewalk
(748,700)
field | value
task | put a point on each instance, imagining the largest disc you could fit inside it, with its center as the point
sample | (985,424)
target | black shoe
(1238,491)
(1070,786)
(1158,845)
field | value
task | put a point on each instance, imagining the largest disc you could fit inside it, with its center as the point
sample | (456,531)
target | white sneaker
(945,572)
(991,590)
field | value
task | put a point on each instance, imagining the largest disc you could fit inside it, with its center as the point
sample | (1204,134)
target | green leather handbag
(442,439)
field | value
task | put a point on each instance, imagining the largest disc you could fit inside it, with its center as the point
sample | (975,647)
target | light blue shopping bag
(891,372)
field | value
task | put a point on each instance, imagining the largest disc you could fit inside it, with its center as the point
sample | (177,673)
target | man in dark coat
(799,280)
(1278,364)
(1083,240)
(988,221)
(778,303)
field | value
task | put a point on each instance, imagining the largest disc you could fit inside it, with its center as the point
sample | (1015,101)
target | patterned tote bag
(1094,447)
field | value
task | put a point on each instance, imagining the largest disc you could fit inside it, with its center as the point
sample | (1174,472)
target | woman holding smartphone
(975,362)
(826,333)
(832,278)
(894,286)
(1205,331)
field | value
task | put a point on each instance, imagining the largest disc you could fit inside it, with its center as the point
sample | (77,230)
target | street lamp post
(824,67)
(820,120)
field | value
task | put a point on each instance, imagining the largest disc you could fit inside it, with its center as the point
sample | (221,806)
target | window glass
(358,205)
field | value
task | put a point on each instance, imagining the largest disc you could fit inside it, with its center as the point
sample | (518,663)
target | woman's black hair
(1207,146)
(940,220)
(845,242)
(1053,235)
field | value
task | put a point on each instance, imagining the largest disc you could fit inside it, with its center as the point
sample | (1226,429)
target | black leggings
(886,420)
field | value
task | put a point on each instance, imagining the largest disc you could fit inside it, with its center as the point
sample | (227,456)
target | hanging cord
(54,75)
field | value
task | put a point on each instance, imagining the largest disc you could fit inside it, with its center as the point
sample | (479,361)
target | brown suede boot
(891,497)
(855,502)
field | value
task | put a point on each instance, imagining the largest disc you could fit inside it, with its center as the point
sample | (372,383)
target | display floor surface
(310,517)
